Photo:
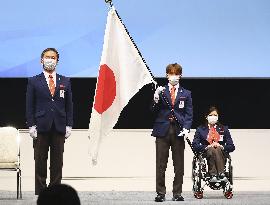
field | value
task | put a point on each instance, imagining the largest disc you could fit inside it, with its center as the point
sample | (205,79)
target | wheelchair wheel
(198,195)
(228,194)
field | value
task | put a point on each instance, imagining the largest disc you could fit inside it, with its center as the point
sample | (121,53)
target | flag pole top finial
(109,2)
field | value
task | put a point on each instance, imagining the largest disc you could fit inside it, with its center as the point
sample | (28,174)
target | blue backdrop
(209,38)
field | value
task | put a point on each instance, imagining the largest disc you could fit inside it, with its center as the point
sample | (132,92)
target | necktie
(51,85)
(173,95)
(213,136)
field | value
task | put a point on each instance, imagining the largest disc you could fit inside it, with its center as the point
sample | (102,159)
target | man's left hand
(184,132)
(68,131)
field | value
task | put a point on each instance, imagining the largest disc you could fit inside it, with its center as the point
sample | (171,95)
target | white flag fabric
(122,74)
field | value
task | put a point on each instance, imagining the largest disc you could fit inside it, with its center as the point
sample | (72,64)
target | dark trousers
(215,160)
(55,141)
(162,154)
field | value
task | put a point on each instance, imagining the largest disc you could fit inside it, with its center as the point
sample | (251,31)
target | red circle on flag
(106,89)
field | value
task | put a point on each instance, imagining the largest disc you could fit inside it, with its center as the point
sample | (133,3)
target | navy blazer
(43,109)
(200,138)
(182,109)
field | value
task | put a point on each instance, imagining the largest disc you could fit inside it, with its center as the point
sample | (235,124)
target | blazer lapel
(179,93)
(58,80)
(44,84)
(205,131)
(168,95)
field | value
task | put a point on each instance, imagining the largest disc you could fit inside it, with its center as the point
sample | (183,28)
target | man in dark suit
(173,105)
(49,114)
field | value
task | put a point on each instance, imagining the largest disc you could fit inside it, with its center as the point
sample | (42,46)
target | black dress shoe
(178,198)
(160,198)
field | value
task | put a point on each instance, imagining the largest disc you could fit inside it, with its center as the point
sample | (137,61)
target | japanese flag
(122,73)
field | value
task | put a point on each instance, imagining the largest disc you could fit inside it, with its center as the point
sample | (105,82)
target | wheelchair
(202,178)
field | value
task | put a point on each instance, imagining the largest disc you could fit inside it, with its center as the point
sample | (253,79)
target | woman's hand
(214,144)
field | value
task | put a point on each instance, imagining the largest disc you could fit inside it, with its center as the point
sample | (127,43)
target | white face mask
(49,64)
(212,119)
(174,79)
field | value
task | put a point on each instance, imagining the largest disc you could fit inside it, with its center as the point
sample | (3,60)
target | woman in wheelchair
(212,144)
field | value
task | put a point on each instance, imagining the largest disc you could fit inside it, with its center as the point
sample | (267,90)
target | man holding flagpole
(173,105)
(122,74)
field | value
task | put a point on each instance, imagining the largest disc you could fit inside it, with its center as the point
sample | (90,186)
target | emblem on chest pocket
(181,104)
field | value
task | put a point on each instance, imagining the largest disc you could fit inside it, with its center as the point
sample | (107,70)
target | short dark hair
(60,194)
(211,109)
(50,49)
(174,68)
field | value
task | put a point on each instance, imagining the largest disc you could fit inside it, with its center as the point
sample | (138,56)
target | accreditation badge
(181,104)
(221,138)
(62,93)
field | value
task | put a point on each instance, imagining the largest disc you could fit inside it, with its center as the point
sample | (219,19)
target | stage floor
(138,198)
